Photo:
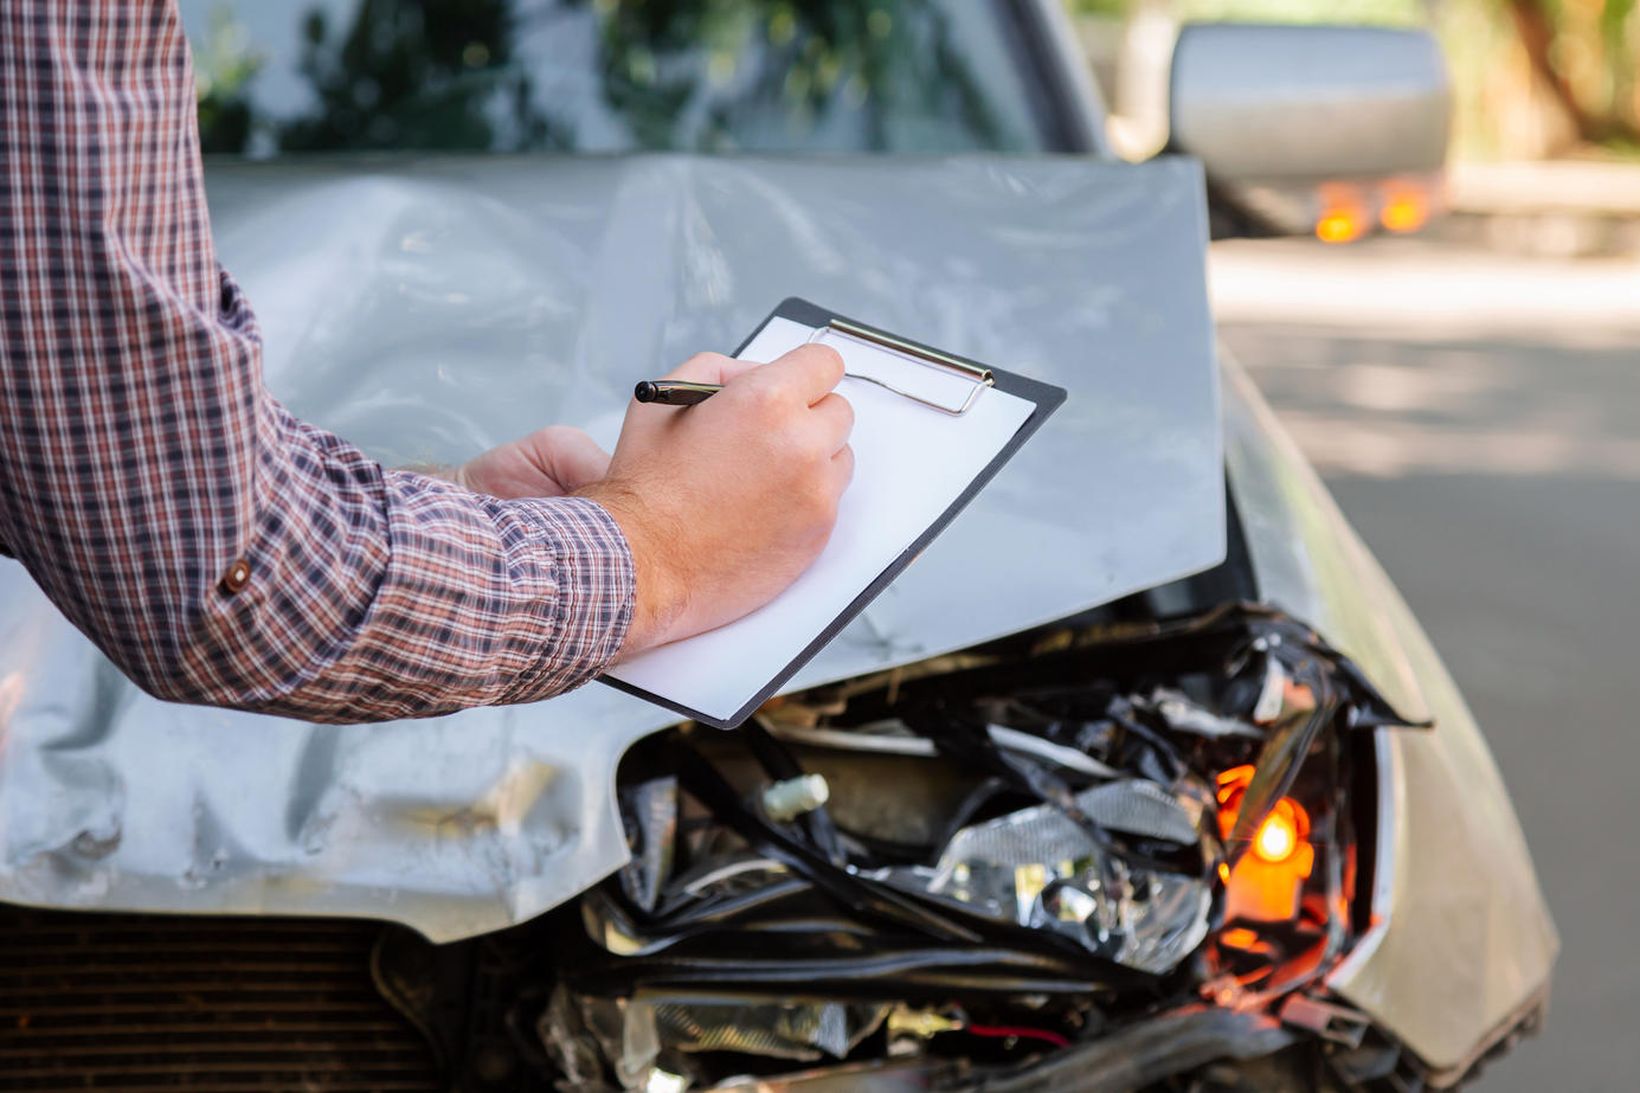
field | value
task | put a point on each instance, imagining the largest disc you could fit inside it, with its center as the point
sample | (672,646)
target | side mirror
(1296,110)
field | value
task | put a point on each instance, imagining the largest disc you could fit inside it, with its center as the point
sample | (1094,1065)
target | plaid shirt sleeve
(214,547)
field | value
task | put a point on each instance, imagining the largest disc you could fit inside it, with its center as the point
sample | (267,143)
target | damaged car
(1097,831)
(1142,777)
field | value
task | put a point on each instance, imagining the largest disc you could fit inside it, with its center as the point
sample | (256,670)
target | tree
(416,74)
(1586,53)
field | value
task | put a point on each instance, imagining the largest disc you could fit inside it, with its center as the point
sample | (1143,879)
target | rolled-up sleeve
(213,546)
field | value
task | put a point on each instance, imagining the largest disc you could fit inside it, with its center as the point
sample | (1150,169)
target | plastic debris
(650,810)
(785,801)
(1187,716)
(806,1031)
(582,1033)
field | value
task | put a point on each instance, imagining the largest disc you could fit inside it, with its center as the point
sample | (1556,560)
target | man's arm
(217,549)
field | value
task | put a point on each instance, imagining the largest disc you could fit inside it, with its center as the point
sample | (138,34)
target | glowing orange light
(1339,226)
(1239,937)
(1406,209)
(1233,785)
(1265,885)
(1343,216)
(1276,839)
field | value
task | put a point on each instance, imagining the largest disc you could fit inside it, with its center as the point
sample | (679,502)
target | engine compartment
(1022,860)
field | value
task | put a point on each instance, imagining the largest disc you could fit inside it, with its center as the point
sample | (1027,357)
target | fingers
(810,371)
(570,457)
(843,467)
(834,420)
(711,368)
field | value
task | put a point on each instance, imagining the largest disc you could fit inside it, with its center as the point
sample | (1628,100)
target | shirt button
(237,577)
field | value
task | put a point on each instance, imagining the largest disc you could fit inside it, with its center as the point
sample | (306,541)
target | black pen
(674,392)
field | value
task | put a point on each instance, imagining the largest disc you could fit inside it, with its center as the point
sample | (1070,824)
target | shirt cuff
(591,609)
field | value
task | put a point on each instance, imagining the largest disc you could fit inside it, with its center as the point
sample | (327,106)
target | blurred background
(1458,358)
(1470,395)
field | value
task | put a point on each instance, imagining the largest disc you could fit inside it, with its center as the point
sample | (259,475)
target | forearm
(216,549)
(378,594)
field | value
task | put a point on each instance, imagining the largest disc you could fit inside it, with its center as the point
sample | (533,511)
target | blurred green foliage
(224,65)
(703,75)
(883,58)
(1532,76)
(1587,54)
(426,75)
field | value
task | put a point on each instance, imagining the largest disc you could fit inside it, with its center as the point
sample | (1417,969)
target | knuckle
(825,360)
(845,411)
(819,445)
(701,364)
(764,399)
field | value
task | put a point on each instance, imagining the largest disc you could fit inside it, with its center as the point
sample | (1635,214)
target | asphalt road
(1478,418)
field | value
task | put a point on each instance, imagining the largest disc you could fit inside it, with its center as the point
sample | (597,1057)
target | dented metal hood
(426,310)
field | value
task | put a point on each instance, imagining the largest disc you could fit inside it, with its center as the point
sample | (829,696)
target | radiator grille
(136,1003)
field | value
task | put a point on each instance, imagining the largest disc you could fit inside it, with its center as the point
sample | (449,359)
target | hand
(724,504)
(550,462)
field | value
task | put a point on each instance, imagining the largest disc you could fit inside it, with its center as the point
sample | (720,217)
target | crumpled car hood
(429,310)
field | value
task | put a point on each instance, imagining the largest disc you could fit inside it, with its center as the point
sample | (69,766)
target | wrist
(659,598)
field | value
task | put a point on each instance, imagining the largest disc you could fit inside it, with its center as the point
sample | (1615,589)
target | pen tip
(644,392)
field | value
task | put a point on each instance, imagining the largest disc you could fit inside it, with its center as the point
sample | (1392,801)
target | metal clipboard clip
(978,378)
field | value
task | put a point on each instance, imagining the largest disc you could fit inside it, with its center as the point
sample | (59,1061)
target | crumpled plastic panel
(428,310)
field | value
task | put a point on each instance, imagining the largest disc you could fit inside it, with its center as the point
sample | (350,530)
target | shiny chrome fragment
(650,810)
(1041,868)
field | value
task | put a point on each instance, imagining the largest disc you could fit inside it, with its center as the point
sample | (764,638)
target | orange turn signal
(1266,883)
(1277,838)
(1405,208)
(1279,835)
(1338,226)
(1343,217)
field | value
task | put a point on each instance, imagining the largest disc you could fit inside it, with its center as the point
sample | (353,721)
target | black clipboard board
(1045,397)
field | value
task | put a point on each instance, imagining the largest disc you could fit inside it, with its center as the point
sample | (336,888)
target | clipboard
(929,381)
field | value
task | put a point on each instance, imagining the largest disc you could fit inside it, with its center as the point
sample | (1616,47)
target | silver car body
(428,310)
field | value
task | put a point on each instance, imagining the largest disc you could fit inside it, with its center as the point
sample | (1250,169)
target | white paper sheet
(911,463)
